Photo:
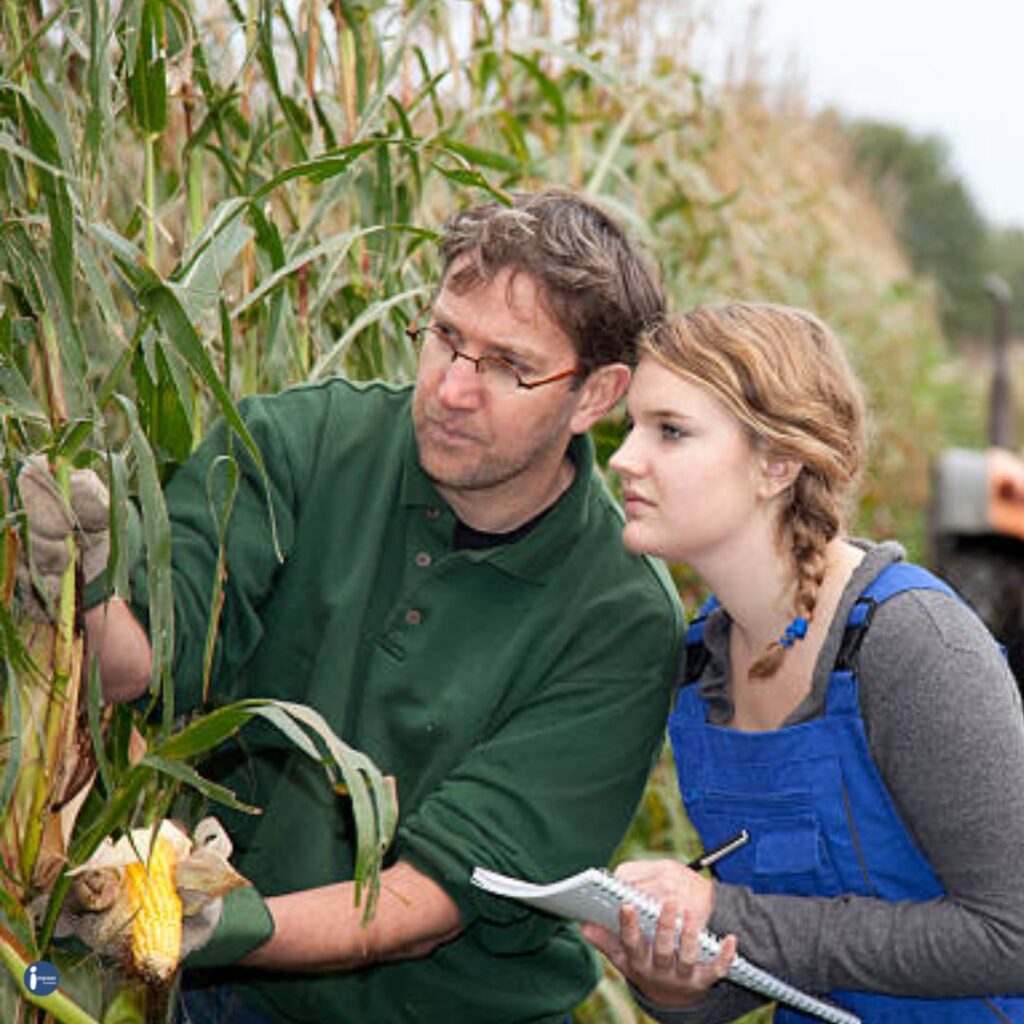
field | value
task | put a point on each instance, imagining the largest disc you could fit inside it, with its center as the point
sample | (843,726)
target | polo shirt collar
(534,556)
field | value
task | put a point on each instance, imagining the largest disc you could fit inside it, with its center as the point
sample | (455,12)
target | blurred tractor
(976,528)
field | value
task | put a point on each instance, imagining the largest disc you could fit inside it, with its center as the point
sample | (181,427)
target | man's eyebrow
(512,346)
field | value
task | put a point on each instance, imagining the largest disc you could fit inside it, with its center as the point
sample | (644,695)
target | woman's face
(692,481)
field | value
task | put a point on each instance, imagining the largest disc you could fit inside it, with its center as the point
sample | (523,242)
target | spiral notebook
(596,896)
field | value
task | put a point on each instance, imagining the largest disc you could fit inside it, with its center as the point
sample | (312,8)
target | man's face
(475,437)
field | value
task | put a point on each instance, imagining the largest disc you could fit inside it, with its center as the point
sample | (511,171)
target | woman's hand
(668,974)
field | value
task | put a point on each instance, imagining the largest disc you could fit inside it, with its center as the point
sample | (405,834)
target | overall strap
(696,652)
(892,580)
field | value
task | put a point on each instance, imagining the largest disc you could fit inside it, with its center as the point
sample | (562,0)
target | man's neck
(506,508)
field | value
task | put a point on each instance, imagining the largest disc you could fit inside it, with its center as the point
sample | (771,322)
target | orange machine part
(1006,492)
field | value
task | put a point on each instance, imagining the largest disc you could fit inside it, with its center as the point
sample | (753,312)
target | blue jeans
(220,1004)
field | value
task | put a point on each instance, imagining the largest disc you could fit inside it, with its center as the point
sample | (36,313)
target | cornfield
(203,199)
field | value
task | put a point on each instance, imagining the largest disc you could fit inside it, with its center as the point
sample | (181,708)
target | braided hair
(786,378)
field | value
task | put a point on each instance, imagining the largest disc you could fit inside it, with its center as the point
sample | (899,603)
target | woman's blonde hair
(785,376)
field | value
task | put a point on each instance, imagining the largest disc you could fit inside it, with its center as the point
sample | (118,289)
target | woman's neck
(755,585)
(760,612)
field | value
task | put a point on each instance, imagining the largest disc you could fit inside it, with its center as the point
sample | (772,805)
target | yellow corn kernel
(156,920)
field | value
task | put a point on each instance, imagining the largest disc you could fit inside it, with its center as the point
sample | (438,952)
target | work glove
(226,929)
(50,522)
(217,932)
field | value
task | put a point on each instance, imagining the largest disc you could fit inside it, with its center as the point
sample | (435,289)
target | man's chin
(448,472)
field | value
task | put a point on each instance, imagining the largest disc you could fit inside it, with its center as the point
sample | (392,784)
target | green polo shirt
(517,693)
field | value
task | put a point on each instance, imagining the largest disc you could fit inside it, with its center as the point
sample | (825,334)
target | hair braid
(805,528)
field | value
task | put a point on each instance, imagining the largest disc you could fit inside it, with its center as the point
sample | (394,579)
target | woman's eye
(670,432)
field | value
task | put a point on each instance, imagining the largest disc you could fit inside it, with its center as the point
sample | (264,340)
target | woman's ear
(778,473)
(599,392)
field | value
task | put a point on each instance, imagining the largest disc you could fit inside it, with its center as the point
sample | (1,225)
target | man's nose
(461,385)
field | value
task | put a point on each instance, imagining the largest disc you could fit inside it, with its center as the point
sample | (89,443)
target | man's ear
(599,392)
(778,473)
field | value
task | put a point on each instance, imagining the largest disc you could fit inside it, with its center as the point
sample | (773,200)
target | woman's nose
(624,460)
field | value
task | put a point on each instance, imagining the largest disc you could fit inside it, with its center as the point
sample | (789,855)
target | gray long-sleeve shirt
(943,719)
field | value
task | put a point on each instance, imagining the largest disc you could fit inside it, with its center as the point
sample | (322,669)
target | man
(455,600)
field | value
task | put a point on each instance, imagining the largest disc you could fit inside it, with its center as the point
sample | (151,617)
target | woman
(842,706)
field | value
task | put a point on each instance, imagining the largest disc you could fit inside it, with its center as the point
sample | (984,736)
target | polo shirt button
(413,617)
(433,512)
(423,559)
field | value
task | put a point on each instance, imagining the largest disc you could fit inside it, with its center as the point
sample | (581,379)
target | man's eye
(516,364)
(448,334)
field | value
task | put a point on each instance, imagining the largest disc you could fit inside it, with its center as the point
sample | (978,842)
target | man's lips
(450,433)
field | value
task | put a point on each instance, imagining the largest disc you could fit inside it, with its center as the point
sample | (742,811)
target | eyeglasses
(437,347)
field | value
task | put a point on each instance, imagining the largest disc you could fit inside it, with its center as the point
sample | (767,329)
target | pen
(716,853)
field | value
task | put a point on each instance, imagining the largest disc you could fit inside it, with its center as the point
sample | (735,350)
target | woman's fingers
(631,935)
(664,948)
(689,939)
(600,938)
(720,965)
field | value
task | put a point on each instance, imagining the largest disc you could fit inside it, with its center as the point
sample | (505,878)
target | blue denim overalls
(821,821)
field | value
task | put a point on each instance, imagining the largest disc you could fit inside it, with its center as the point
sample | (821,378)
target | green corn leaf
(320,168)
(156,530)
(127,1007)
(614,145)
(202,734)
(482,157)
(371,798)
(72,436)
(188,775)
(98,116)
(372,805)
(115,813)
(94,706)
(157,298)
(15,919)
(371,315)
(147,81)
(548,88)
(164,402)
(473,179)
(16,397)
(340,243)
(221,491)
(10,744)
(200,282)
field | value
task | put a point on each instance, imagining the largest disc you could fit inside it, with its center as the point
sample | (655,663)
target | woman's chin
(633,539)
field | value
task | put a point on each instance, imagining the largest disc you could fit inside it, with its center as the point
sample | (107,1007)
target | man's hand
(224,917)
(51,522)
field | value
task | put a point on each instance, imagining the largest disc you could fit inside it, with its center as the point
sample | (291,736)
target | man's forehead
(521,292)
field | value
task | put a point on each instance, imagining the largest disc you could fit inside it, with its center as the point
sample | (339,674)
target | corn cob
(156,920)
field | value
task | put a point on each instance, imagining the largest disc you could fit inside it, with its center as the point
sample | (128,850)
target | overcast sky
(936,66)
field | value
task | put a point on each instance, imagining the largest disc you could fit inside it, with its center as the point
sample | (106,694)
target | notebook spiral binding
(741,971)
